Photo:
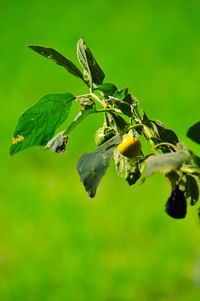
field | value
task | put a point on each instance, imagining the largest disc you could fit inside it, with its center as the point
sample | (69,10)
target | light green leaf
(57,58)
(37,125)
(92,166)
(89,64)
(165,162)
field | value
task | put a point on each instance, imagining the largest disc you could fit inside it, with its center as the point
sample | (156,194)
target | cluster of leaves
(123,114)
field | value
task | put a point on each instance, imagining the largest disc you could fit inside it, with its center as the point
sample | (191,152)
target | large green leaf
(165,162)
(194,132)
(89,64)
(37,125)
(92,166)
(58,58)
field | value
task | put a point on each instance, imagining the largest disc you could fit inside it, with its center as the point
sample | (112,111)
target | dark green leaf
(192,189)
(92,166)
(165,162)
(127,169)
(164,134)
(58,58)
(117,122)
(107,88)
(194,132)
(89,64)
(37,125)
(173,178)
(123,106)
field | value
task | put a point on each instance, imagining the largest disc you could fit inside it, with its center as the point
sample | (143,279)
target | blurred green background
(55,242)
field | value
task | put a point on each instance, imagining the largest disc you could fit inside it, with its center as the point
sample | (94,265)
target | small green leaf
(58,58)
(89,64)
(107,88)
(37,125)
(117,122)
(192,189)
(127,169)
(92,166)
(123,106)
(165,162)
(121,94)
(194,132)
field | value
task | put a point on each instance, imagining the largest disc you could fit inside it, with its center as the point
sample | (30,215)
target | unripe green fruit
(103,134)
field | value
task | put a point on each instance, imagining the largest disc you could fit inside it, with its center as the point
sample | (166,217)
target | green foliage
(165,162)
(93,166)
(123,115)
(92,70)
(58,58)
(192,189)
(194,132)
(37,125)
(107,88)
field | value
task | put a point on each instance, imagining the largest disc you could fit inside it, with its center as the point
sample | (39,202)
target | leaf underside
(165,162)
(92,166)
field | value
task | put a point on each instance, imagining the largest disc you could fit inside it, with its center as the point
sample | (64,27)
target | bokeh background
(55,242)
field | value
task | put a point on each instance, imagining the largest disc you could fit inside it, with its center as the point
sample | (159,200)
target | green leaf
(57,58)
(121,94)
(123,106)
(192,189)
(117,122)
(107,88)
(37,125)
(92,166)
(165,162)
(194,132)
(89,64)
(173,178)
(127,169)
(164,134)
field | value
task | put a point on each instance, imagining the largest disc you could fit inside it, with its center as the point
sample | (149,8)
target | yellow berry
(130,147)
